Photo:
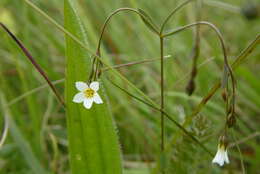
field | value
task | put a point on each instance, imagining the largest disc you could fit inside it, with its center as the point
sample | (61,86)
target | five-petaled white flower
(221,157)
(87,94)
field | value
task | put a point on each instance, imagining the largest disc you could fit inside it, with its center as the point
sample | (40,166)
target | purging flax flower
(221,157)
(87,94)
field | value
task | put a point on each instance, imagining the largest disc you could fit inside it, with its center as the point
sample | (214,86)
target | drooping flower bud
(190,87)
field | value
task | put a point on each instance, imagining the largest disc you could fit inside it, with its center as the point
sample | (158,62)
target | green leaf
(93,143)
(148,21)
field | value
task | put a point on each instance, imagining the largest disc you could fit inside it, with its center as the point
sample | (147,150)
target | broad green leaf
(93,143)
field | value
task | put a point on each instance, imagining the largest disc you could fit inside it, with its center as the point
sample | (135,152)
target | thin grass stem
(35,64)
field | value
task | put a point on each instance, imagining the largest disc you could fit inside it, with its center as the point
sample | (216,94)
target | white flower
(87,94)
(221,157)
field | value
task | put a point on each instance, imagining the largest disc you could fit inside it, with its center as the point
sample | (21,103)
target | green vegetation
(124,133)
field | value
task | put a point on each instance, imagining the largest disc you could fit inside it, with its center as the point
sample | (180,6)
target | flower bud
(224,95)
(190,87)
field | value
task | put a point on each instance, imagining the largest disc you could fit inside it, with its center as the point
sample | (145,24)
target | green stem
(245,53)
(166,114)
(172,13)
(220,37)
(162,93)
(98,52)
(162,99)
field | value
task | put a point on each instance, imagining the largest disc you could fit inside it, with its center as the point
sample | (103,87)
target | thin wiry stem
(226,64)
(62,29)
(172,13)
(94,72)
(35,64)
(19,98)
(204,101)
(134,63)
(162,99)
(243,140)
(166,114)
(242,56)
(240,153)
(109,18)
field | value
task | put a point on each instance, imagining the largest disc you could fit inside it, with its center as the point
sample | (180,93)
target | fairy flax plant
(160,33)
(88,89)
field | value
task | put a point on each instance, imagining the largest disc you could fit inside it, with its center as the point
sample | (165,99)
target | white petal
(219,158)
(97,99)
(226,157)
(79,97)
(216,158)
(81,86)
(88,103)
(94,86)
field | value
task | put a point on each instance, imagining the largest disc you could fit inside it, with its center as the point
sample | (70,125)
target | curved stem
(172,13)
(98,53)
(212,26)
(108,19)
(81,44)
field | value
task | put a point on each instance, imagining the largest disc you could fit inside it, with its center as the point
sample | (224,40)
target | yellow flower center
(89,93)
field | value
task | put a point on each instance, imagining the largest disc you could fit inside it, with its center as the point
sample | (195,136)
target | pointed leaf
(93,144)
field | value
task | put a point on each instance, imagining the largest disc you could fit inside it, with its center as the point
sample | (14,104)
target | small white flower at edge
(87,94)
(221,157)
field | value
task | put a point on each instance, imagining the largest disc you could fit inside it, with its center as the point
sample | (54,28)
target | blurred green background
(39,131)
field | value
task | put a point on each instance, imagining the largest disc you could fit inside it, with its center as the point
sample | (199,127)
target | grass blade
(21,142)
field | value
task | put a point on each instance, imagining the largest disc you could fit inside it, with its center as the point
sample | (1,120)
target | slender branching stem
(166,114)
(153,104)
(238,60)
(84,46)
(220,37)
(109,18)
(98,52)
(172,13)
